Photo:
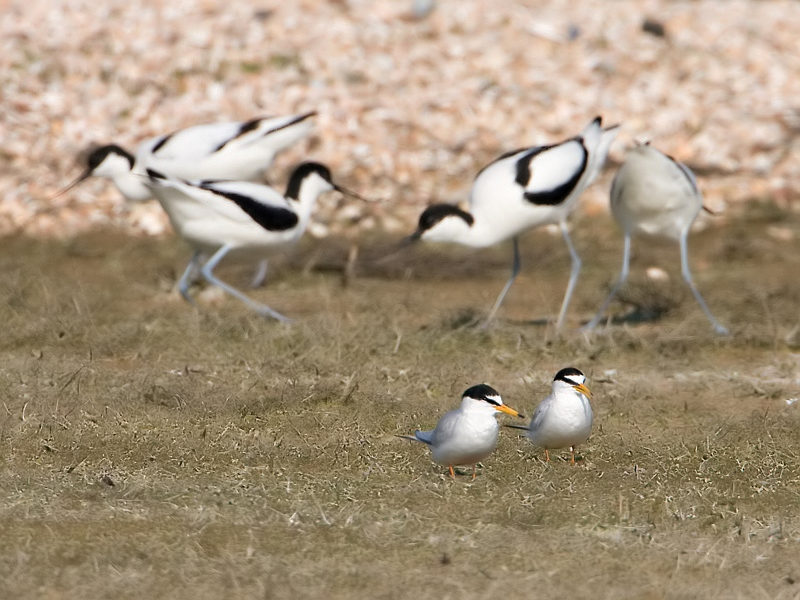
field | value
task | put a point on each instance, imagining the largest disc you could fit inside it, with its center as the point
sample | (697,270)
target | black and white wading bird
(564,418)
(237,151)
(219,217)
(467,435)
(521,190)
(656,195)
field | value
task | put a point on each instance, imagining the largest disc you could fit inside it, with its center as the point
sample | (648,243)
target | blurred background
(413,97)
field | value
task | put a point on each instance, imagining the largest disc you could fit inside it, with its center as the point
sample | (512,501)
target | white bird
(237,151)
(564,418)
(521,190)
(655,195)
(468,434)
(218,217)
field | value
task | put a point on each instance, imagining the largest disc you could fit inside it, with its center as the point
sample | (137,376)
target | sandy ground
(155,449)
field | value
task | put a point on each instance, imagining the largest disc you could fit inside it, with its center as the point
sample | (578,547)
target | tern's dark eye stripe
(569,375)
(483,392)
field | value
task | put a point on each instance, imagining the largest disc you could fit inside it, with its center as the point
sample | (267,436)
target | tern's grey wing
(540,414)
(444,428)
(426,437)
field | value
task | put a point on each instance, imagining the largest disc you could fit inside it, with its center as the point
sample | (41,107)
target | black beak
(413,238)
(82,177)
(347,192)
(401,246)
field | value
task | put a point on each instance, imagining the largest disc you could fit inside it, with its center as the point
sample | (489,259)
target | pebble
(410,108)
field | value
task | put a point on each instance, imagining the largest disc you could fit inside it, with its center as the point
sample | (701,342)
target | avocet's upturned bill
(467,435)
(656,195)
(522,190)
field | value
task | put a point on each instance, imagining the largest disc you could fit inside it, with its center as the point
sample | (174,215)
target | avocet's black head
(98,155)
(301,173)
(436,214)
(305,170)
(94,159)
(574,378)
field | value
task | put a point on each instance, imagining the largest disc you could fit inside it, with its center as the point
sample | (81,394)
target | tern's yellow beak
(583,390)
(510,411)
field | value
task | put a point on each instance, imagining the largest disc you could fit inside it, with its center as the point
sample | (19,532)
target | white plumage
(468,434)
(521,190)
(654,194)
(218,217)
(238,151)
(564,418)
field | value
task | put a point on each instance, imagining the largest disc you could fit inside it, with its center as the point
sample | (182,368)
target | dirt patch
(153,449)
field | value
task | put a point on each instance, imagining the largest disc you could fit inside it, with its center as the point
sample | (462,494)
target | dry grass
(151,450)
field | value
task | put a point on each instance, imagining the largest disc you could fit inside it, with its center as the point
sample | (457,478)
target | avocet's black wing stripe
(553,196)
(253,124)
(523,177)
(504,155)
(161,142)
(246,127)
(271,218)
(294,121)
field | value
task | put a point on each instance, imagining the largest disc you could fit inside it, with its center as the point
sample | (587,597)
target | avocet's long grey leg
(515,266)
(573,274)
(623,275)
(188,276)
(260,275)
(207,272)
(687,276)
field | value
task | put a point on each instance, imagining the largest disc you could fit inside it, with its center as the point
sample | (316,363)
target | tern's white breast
(562,421)
(464,438)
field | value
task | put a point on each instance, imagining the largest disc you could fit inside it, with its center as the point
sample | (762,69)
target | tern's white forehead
(570,376)
(485,393)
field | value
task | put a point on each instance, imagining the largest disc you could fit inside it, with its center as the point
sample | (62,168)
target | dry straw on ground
(151,448)
(154,450)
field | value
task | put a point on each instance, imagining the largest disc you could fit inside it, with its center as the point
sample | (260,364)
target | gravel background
(409,108)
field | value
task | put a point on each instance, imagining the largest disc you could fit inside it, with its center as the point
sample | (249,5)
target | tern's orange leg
(473,472)
(547,455)
(452,472)
(572,460)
